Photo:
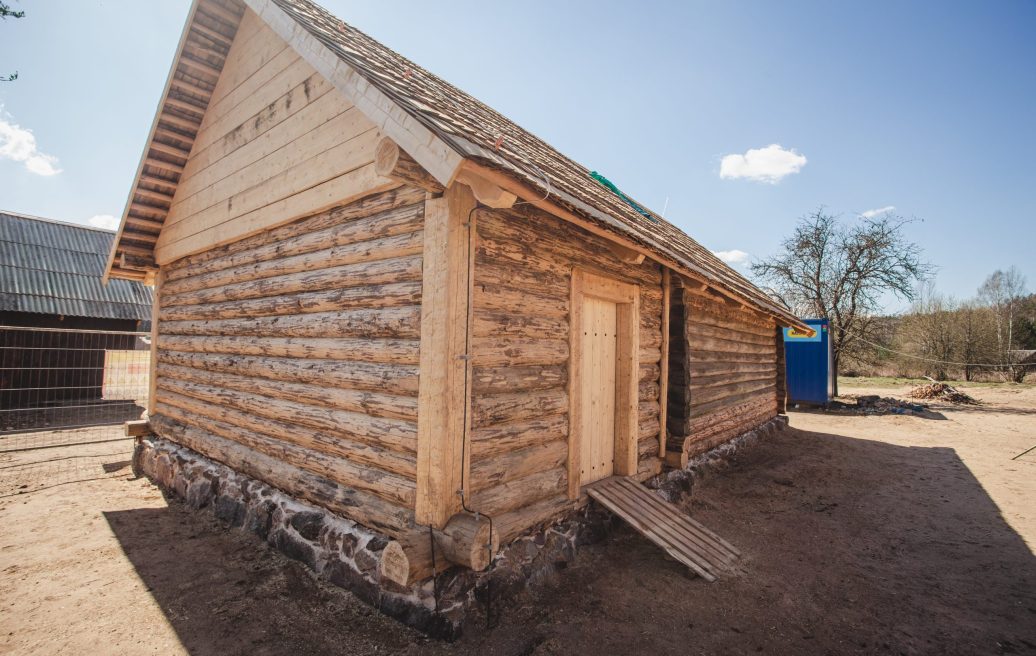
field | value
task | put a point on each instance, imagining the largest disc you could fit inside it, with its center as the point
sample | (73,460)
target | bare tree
(5,13)
(1002,292)
(974,332)
(930,331)
(841,271)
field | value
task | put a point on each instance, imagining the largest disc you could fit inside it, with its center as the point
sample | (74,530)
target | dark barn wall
(43,367)
(723,367)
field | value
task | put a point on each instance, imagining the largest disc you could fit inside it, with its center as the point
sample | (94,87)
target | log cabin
(381,297)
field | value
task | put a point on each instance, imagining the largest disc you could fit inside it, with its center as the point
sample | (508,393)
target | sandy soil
(869,535)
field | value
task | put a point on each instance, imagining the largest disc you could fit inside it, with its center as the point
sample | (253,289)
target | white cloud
(733,256)
(870,214)
(768,164)
(106,221)
(19,145)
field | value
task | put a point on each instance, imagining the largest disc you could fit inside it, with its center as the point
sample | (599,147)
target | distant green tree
(5,13)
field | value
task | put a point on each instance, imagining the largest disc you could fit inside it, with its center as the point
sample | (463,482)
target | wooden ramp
(681,537)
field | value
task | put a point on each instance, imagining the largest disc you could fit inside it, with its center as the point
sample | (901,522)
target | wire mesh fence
(54,378)
(36,461)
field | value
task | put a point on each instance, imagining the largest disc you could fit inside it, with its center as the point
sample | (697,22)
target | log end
(469,541)
(386,157)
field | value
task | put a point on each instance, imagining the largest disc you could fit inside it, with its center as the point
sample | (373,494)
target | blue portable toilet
(810,375)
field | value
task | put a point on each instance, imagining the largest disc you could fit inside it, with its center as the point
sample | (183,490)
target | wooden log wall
(300,346)
(723,370)
(277,141)
(520,350)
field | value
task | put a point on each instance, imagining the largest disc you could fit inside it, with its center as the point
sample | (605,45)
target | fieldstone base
(674,486)
(348,554)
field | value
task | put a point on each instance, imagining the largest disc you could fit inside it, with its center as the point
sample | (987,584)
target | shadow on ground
(850,546)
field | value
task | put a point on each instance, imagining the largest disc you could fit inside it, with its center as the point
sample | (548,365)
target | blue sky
(926,107)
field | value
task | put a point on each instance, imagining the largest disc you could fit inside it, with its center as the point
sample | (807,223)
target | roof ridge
(43,219)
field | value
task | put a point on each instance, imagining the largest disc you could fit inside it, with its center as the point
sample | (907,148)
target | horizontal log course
(401,322)
(511,379)
(514,523)
(390,487)
(701,398)
(493,272)
(501,408)
(523,491)
(508,351)
(377,272)
(376,404)
(365,296)
(703,343)
(383,351)
(378,456)
(401,379)
(648,429)
(507,467)
(729,333)
(504,299)
(403,244)
(650,355)
(368,206)
(365,508)
(698,354)
(491,441)
(649,372)
(648,390)
(500,323)
(767,392)
(396,434)
(714,381)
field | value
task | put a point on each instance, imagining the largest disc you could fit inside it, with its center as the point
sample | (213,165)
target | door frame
(626,296)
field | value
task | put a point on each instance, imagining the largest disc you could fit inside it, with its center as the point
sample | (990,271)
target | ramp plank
(684,539)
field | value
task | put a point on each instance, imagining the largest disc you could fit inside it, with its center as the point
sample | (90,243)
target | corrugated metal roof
(51,267)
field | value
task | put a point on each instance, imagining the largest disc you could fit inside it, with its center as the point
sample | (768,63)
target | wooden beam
(154,195)
(158,180)
(164,165)
(627,255)
(184,105)
(179,121)
(136,428)
(166,149)
(663,387)
(442,432)
(201,66)
(486,192)
(391,161)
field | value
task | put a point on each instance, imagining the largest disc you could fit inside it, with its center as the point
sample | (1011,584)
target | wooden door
(600,352)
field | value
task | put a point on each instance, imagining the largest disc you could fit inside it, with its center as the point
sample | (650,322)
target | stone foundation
(674,486)
(349,555)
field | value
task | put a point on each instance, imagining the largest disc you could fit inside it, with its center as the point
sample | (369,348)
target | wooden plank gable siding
(300,345)
(520,354)
(276,142)
(723,371)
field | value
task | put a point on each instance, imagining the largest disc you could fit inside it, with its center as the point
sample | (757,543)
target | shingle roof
(473,129)
(50,267)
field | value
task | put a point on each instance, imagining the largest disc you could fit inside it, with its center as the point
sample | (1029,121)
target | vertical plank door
(597,451)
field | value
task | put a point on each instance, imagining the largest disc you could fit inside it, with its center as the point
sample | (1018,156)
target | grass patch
(890,381)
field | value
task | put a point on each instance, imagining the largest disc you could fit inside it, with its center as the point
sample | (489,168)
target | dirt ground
(861,535)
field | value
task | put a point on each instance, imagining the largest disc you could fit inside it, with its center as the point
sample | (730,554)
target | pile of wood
(941,392)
